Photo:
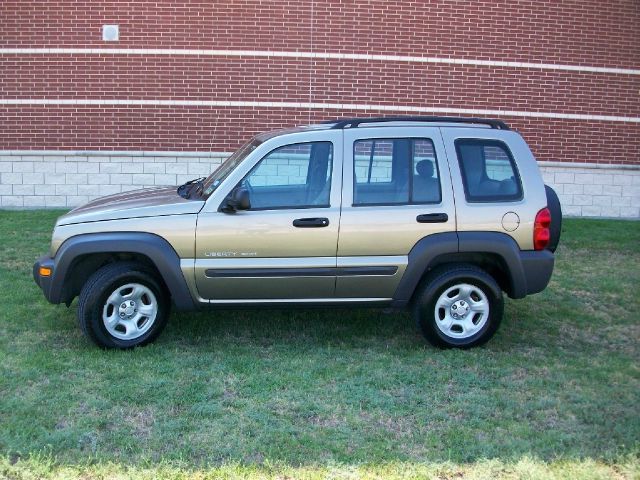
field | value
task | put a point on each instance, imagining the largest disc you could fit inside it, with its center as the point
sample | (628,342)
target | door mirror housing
(238,199)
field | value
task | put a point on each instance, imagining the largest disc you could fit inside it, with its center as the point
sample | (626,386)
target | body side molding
(301,272)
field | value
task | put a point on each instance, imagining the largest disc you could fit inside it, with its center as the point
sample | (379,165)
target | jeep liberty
(437,214)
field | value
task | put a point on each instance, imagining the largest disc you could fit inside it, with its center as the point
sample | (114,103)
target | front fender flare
(154,247)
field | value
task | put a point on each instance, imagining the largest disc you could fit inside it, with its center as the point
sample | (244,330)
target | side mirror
(238,199)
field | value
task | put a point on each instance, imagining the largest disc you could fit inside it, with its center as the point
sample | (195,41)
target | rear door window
(395,171)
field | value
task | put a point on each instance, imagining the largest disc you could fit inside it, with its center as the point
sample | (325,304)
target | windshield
(215,179)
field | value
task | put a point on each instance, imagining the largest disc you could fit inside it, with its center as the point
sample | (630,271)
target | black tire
(436,284)
(97,291)
(553,204)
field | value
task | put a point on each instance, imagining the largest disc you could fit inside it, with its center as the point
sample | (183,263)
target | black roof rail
(342,123)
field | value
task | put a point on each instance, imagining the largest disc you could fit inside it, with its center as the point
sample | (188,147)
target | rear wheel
(459,306)
(122,305)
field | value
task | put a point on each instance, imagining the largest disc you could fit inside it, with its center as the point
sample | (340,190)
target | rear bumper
(43,282)
(537,269)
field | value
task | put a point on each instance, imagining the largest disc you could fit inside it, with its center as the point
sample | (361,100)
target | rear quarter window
(489,172)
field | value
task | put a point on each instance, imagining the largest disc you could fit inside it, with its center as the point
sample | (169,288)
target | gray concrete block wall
(69,179)
(54,180)
(595,190)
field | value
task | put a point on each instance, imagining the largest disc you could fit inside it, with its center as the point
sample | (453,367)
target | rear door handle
(311,222)
(432,218)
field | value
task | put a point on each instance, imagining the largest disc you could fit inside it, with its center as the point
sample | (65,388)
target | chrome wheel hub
(127,309)
(461,311)
(130,311)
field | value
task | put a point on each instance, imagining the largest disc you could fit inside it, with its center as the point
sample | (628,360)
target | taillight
(541,233)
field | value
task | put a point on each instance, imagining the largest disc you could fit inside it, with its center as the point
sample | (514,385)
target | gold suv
(441,215)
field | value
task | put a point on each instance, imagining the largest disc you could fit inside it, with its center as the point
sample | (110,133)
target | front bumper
(44,282)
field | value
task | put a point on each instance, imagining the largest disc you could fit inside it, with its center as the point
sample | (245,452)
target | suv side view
(437,214)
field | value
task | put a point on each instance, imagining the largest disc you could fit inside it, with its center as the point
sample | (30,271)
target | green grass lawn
(329,393)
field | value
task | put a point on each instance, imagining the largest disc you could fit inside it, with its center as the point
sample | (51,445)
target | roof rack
(342,123)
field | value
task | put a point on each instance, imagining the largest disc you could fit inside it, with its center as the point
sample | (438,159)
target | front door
(283,247)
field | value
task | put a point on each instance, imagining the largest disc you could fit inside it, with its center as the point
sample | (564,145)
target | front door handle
(311,222)
(432,218)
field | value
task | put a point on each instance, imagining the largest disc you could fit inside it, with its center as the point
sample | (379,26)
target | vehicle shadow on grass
(347,327)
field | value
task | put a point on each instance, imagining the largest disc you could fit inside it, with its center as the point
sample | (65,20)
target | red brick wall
(581,33)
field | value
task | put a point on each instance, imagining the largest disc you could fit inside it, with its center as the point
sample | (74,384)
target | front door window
(292,176)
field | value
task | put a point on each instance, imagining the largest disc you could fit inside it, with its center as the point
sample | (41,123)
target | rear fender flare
(421,256)
(424,255)
(504,247)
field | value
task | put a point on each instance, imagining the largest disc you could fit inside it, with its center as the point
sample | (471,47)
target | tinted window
(395,171)
(488,171)
(292,176)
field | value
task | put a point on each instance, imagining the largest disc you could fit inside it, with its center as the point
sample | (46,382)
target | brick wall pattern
(566,74)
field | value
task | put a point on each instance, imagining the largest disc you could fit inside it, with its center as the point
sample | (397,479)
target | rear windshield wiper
(185,189)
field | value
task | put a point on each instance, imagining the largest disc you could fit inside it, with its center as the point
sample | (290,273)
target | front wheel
(459,306)
(122,305)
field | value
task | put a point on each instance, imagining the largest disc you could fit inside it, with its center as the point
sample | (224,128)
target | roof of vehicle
(473,121)
(368,122)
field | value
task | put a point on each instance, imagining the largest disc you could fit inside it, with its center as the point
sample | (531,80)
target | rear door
(397,190)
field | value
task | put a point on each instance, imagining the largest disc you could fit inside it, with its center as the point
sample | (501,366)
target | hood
(149,202)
